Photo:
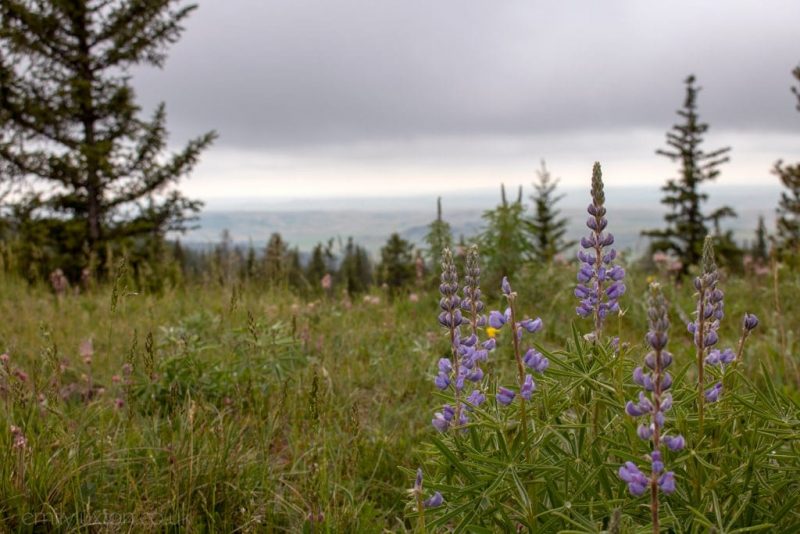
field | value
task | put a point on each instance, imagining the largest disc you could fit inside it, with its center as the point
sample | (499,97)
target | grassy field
(222,409)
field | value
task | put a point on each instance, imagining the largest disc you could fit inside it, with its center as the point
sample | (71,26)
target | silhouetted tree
(686,223)
(86,164)
(397,263)
(760,250)
(275,265)
(355,271)
(788,227)
(545,228)
(438,238)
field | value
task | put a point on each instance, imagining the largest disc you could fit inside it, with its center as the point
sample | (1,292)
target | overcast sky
(399,97)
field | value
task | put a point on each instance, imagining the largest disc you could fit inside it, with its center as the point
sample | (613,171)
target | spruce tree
(439,237)
(788,227)
(504,242)
(545,228)
(72,139)
(760,250)
(355,271)
(686,222)
(397,269)
(275,260)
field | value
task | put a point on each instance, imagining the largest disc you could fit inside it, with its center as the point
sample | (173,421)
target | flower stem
(520,373)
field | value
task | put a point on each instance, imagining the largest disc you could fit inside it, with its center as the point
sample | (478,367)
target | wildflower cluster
(597,264)
(511,444)
(467,353)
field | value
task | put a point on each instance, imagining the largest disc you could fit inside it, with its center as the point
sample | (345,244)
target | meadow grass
(211,408)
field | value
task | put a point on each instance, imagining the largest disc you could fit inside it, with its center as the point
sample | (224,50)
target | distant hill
(304,222)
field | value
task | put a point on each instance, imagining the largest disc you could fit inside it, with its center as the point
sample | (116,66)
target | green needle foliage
(396,269)
(90,172)
(545,227)
(438,238)
(504,240)
(686,221)
(789,204)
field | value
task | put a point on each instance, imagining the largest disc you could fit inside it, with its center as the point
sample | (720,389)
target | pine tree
(545,229)
(397,263)
(504,242)
(438,238)
(94,171)
(788,238)
(686,223)
(355,271)
(275,260)
(760,250)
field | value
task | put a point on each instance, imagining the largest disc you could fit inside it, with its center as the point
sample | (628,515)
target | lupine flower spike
(531,359)
(653,403)
(599,281)
(466,353)
(709,313)
(433,501)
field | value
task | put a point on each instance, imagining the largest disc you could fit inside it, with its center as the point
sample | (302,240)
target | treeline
(87,185)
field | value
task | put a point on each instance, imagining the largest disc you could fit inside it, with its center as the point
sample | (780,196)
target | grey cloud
(289,74)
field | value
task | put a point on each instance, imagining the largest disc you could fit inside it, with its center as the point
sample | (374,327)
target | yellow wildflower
(491,332)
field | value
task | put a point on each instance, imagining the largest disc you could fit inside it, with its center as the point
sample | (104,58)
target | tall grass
(249,410)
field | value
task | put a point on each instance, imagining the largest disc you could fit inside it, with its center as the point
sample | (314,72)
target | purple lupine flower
(505,286)
(717,357)
(505,396)
(467,350)
(667,482)
(750,322)
(434,501)
(655,462)
(496,319)
(528,386)
(418,480)
(636,480)
(674,443)
(534,359)
(476,375)
(653,402)
(439,422)
(712,394)
(442,381)
(709,313)
(531,325)
(448,412)
(596,265)
(476,398)
(710,308)
(450,302)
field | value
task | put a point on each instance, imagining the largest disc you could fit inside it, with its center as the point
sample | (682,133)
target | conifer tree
(275,260)
(788,227)
(686,222)
(760,249)
(545,228)
(397,263)
(504,242)
(355,271)
(439,237)
(85,162)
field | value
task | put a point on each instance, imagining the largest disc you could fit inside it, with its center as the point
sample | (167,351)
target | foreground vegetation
(212,408)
